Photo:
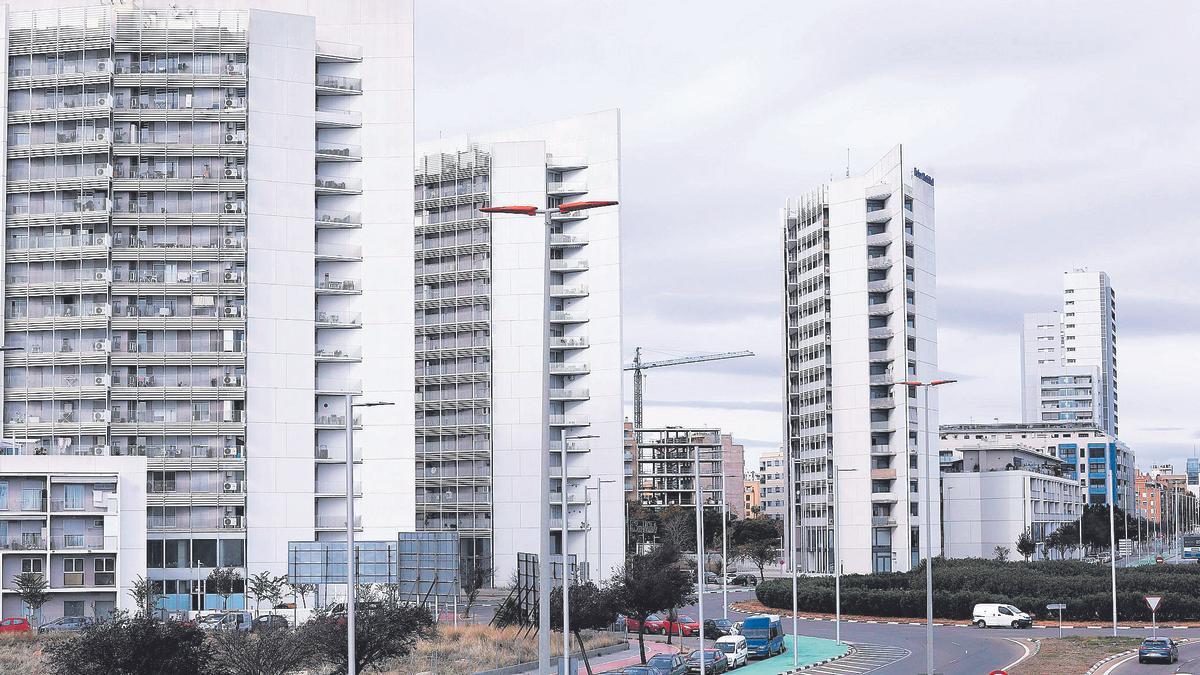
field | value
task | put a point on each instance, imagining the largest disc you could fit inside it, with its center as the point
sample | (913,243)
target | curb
(801,669)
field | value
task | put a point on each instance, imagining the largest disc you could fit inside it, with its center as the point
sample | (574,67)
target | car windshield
(685,619)
(1153,642)
(723,623)
(1014,610)
(755,632)
(727,647)
(661,660)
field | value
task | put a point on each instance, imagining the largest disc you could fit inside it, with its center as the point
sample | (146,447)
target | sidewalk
(631,657)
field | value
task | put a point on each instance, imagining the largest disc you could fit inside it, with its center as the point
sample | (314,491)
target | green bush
(960,584)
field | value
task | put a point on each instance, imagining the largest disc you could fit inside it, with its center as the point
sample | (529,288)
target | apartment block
(1069,357)
(733,467)
(860,315)
(207,252)
(485,400)
(1100,462)
(772,481)
(667,468)
(994,491)
(80,522)
(752,492)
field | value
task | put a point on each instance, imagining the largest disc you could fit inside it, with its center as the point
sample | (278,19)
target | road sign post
(1060,607)
(1152,601)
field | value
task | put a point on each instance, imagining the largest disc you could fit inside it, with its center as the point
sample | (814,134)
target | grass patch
(470,649)
(1073,654)
(22,654)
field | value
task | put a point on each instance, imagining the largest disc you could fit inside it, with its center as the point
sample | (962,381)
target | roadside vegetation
(1073,654)
(959,584)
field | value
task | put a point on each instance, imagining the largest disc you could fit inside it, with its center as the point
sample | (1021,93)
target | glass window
(154,554)
(73,497)
(204,552)
(176,553)
(31,565)
(233,553)
(72,607)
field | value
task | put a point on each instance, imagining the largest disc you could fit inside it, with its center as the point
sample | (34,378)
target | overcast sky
(1061,134)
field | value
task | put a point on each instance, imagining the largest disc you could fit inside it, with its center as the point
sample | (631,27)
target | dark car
(667,664)
(715,661)
(744,580)
(715,628)
(66,623)
(1158,649)
(268,622)
(637,670)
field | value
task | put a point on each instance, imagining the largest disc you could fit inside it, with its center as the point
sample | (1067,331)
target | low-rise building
(992,492)
(772,480)
(753,493)
(78,520)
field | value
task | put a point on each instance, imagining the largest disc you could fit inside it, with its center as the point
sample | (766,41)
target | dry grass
(1073,654)
(470,649)
(22,654)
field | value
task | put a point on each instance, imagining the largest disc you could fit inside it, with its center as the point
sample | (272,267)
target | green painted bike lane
(809,650)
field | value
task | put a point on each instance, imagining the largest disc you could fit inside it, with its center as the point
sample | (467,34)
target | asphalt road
(1189,662)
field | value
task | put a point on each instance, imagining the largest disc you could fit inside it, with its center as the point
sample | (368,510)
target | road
(1189,662)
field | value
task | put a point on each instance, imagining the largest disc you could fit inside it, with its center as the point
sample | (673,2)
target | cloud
(764,406)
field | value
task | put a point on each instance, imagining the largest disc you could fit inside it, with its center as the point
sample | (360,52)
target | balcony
(335,488)
(335,386)
(572,265)
(337,185)
(562,188)
(581,445)
(337,52)
(883,521)
(561,368)
(322,454)
(566,163)
(336,421)
(336,522)
(883,497)
(879,262)
(564,343)
(879,216)
(564,240)
(879,356)
(338,253)
(569,395)
(568,317)
(880,333)
(880,402)
(328,286)
(882,450)
(880,309)
(883,378)
(333,219)
(884,425)
(338,119)
(336,85)
(574,497)
(339,320)
(338,353)
(879,286)
(338,152)
(575,291)
(83,542)
(569,420)
(880,239)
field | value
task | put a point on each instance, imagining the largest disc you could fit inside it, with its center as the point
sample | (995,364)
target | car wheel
(980,624)
(1016,624)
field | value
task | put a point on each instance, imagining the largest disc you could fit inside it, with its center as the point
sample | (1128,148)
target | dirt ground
(1074,654)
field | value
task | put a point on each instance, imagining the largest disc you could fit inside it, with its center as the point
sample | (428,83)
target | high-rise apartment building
(860,315)
(207,210)
(482,404)
(733,467)
(1069,357)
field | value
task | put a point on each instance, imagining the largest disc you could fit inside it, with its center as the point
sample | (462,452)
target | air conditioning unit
(231,277)
(232,207)
(101,346)
(229,452)
(230,486)
(104,171)
(231,381)
(102,135)
(101,275)
(99,449)
(100,416)
(229,521)
(101,380)
(234,138)
(232,172)
(231,68)
(103,100)
(229,103)
(100,310)
(165,311)
(232,242)
(229,311)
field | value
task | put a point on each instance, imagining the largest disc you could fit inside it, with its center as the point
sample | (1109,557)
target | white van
(735,650)
(1005,616)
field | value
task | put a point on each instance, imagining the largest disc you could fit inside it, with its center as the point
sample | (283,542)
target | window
(72,607)
(31,565)
(73,497)
(105,569)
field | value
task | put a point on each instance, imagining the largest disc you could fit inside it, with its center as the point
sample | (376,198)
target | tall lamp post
(544,568)
(837,548)
(929,483)
(350,581)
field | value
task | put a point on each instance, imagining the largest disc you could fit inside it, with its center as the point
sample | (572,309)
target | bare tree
(274,652)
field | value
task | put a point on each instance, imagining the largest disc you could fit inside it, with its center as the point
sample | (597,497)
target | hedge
(960,584)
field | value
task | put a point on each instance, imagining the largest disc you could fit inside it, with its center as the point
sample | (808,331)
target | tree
(649,583)
(265,586)
(224,581)
(144,596)
(1025,545)
(382,631)
(132,646)
(274,652)
(592,608)
(677,528)
(473,581)
(302,590)
(31,588)
(1002,553)
(757,540)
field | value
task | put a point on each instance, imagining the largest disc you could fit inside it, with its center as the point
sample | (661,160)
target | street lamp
(543,458)
(926,386)
(837,549)
(350,581)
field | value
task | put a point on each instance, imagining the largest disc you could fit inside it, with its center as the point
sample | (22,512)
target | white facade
(484,403)
(78,521)
(860,315)
(1068,357)
(187,289)
(772,481)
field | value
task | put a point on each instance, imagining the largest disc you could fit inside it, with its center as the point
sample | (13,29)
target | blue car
(1158,649)
(764,635)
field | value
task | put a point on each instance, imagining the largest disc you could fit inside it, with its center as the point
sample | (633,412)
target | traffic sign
(1152,601)
(1057,605)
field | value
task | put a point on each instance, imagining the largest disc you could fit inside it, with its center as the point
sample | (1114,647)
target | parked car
(744,580)
(268,622)
(683,625)
(233,620)
(637,670)
(764,635)
(711,578)
(655,623)
(735,650)
(66,624)
(715,661)
(15,625)
(667,664)
(986,615)
(1158,649)
(715,628)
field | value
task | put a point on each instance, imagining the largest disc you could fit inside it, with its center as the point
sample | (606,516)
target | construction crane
(639,377)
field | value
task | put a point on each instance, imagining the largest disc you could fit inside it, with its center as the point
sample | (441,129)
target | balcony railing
(337,83)
(325,521)
(341,285)
(344,184)
(336,319)
(338,251)
(323,452)
(334,217)
(336,420)
(568,342)
(333,384)
(558,368)
(568,317)
(336,487)
(338,51)
(346,151)
(348,352)
(572,265)
(566,187)
(568,394)
(570,420)
(340,118)
(82,541)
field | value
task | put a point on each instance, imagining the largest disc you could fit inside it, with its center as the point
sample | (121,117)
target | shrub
(125,645)
(960,584)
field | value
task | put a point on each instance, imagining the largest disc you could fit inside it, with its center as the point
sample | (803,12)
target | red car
(684,625)
(655,623)
(15,625)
